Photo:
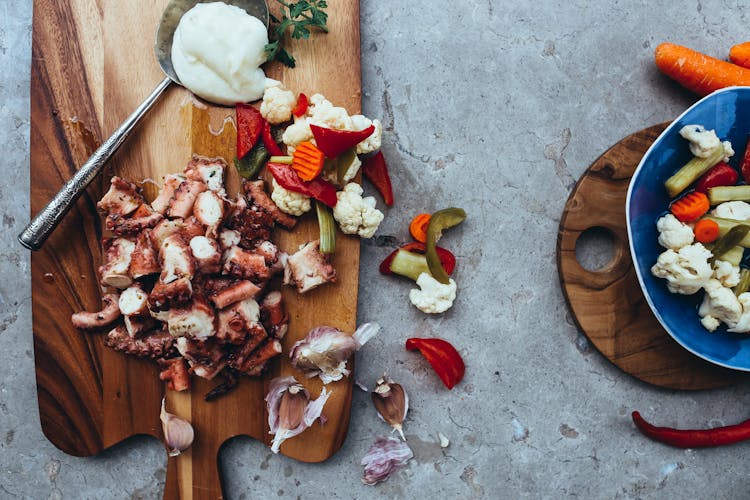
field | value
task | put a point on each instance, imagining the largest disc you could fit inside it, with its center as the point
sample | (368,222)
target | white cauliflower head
(737,210)
(356,215)
(288,201)
(277,104)
(686,271)
(720,302)
(372,143)
(673,233)
(743,324)
(433,297)
(324,114)
(297,132)
(726,273)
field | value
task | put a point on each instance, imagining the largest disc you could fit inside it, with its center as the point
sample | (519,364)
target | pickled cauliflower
(673,233)
(721,304)
(278,102)
(356,215)
(726,273)
(372,143)
(288,201)
(433,297)
(686,270)
(743,324)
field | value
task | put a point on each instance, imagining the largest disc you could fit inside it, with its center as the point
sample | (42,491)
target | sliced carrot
(706,231)
(308,161)
(740,54)
(698,72)
(418,227)
(690,207)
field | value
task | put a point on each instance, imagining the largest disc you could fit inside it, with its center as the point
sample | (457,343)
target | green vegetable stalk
(327,228)
(440,221)
(744,284)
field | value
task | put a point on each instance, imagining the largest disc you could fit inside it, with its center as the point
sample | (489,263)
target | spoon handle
(39,229)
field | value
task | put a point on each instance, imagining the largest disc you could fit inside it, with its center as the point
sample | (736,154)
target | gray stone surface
(497,107)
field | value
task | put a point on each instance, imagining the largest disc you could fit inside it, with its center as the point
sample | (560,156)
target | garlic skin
(290,410)
(325,350)
(178,433)
(392,403)
(384,457)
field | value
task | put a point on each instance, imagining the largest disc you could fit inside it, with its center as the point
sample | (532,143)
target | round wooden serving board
(608,304)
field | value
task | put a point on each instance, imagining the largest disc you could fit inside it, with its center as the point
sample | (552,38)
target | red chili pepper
(321,190)
(268,141)
(745,165)
(334,142)
(444,358)
(719,175)
(376,171)
(447,259)
(693,438)
(249,126)
(301,107)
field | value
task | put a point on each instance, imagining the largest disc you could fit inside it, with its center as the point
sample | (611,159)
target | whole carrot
(698,72)
(740,54)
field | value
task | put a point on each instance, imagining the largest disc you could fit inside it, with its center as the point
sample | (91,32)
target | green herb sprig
(300,16)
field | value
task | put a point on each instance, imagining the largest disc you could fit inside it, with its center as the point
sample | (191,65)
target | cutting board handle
(194,475)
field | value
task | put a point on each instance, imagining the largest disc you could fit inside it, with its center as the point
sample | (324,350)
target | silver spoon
(39,229)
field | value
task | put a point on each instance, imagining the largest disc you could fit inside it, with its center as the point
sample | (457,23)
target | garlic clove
(178,433)
(391,402)
(384,457)
(444,441)
(292,407)
(290,410)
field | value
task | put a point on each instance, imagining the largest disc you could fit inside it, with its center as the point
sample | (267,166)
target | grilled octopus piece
(209,171)
(144,217)
(246,265)
(171,182)
(256,191)
(159,344)
(174,371)
(273,316)
(308,268)
(109,314)
(122,198)
(117,253)
(223,292)
(252,223)
(143,260)
(181,204)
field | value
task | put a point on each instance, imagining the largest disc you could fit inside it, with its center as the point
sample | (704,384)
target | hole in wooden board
(595,248)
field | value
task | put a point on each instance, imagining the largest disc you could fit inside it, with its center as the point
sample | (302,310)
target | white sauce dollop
(217,52)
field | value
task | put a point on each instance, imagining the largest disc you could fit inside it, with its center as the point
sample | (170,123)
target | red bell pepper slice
(376,171)
(268,141)
(720,174)
(334,142)
(301,107)
(447,259)
(745,165)
(249,126)
(444,358)
(321,190)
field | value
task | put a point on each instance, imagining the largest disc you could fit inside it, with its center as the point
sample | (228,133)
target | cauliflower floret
(727,274)
(325,114)
(673,233)
(703,141)
(372,143)
(710,323)
(743,324)
(737,210)
(720,302)
(686,271)
(433,297)
(356,215)
(277,104)
(288,201)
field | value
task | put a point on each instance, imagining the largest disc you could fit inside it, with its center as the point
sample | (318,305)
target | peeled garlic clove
(178,433)
(290,410)
(384,457)
(391,402)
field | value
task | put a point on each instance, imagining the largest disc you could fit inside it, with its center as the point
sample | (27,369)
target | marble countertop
(497,107)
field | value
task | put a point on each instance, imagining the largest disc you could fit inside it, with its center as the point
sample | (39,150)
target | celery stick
(287,160)
(726,224)
(744,284)
(691,171)
(721,194)
(733,256)
(327,228)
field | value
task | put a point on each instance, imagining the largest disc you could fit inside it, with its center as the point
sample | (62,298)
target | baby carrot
(690,207)
(740,54)
(308,161)
(706,231)
(698,72)
(418,227)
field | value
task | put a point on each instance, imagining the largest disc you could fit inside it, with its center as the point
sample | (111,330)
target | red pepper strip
(249,126)
(268,141)
(693,438)
(376,171)
(301,107)
(447,259)
(719,175)
(745,164)
(334,142)
(321,190)
(444,358)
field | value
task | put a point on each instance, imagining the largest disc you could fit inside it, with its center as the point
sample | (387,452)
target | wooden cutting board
(92,64)
(608,304)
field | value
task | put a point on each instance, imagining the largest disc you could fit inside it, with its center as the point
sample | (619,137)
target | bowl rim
(628,225)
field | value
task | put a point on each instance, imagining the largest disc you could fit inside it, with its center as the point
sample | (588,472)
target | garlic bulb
(392,403)
(178,433)
(325,350)
(384,457)
(290,410)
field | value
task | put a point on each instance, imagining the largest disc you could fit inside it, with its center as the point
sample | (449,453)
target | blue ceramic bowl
(726,111)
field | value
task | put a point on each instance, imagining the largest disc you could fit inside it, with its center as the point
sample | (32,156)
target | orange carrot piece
(706,231)
(418,227)
(698,72)
(308,161)
(690,207)
(740,54)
